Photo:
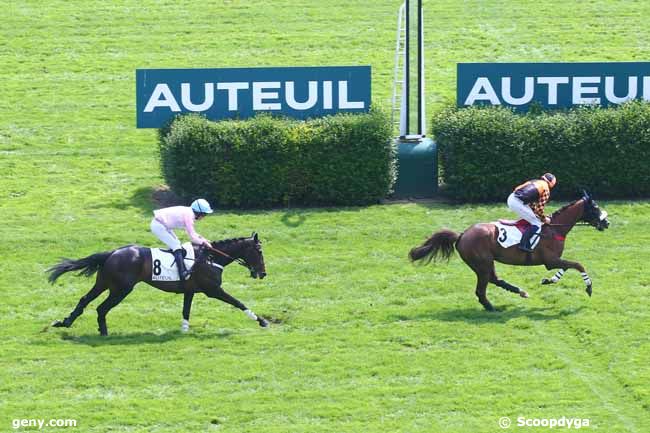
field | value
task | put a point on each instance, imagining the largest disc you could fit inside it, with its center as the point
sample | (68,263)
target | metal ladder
(398,83)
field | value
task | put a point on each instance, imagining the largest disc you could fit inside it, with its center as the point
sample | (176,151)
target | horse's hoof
(185,326)
(523,294)
(58,324)
(263,323)
(546,281)
(489,308)
(589,291)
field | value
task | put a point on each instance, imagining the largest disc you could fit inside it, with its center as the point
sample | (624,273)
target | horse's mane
(226,242)
(560,210)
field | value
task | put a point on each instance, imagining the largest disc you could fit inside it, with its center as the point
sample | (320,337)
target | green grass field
(361,340)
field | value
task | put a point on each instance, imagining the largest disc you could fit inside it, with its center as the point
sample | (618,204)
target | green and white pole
(417,173)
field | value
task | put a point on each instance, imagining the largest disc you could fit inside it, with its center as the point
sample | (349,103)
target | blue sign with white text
(299,92)
(551,85)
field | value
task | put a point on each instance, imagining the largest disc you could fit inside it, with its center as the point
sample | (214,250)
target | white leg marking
(185,325)
(250,314)
(557,276)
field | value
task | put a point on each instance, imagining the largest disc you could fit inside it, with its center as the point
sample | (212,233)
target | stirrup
(525,248)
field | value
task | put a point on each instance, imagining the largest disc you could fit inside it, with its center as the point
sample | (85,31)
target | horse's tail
(439,245)
(87,266)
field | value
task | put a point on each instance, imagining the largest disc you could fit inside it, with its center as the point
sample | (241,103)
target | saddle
(164,266)
(510,232)
(522,225)
(170,251)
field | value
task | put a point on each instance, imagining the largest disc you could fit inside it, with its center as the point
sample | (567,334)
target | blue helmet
(201,206)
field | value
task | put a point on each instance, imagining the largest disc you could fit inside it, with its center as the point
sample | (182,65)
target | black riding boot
(182,272)
(524,244)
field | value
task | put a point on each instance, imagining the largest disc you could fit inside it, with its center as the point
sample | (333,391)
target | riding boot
(524,244)
(178,257)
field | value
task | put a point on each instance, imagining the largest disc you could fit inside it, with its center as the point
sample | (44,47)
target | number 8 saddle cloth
(163,265)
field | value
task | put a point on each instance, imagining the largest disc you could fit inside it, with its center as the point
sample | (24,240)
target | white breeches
(523,210)
(165,235)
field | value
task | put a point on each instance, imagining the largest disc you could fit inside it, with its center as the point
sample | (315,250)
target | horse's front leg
(187,306)
(566,264)
(219,293)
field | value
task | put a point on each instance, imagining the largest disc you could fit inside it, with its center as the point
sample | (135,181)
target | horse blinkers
(594,215)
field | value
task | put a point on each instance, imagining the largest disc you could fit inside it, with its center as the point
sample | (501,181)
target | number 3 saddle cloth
(510,232)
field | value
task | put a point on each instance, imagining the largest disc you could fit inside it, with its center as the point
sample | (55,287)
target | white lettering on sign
(208,99)
(162,97)
(265,95)
(609,90)
(579,90)
(552,83)
(327,95)
(529,90)
(343,97)
(583,90)
(259,95)
(312,97)
(232,89)
(482,91)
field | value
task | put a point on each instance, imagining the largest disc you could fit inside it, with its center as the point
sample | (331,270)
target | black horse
(121,269)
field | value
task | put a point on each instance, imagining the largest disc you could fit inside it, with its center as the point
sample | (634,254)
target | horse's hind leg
(86,299)
(483,269)
(555,278)
(115,297)
(494,279)
(481,291)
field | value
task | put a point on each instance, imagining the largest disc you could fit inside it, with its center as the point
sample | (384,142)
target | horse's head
(254,258)
(246,251)
(593,214)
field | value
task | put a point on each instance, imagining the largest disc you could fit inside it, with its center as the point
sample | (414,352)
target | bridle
(580,222)
(240,261)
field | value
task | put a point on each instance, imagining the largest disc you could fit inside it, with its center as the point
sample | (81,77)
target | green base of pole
(417,170)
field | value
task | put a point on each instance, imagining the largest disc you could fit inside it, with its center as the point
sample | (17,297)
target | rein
(218,251)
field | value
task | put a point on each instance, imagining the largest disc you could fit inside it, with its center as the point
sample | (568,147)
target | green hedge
(268,161)
(485,152)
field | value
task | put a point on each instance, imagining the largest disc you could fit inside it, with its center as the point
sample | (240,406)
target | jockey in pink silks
(167,219)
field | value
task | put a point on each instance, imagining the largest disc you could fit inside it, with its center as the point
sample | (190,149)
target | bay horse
(479,249)
(120,270)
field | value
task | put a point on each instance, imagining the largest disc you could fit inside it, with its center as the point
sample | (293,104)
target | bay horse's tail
(439,245)
(87,266)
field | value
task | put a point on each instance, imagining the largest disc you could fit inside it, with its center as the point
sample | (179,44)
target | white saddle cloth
(510,235)
(163,265)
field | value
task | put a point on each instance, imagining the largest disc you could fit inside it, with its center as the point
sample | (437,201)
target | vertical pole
(407,66)
(420,71)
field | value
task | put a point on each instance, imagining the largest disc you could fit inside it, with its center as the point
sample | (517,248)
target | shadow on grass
(293,219)
(502,315)
(146,199)
(138,338)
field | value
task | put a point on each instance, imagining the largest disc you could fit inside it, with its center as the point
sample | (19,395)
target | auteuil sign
(552,85)
(298,92)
